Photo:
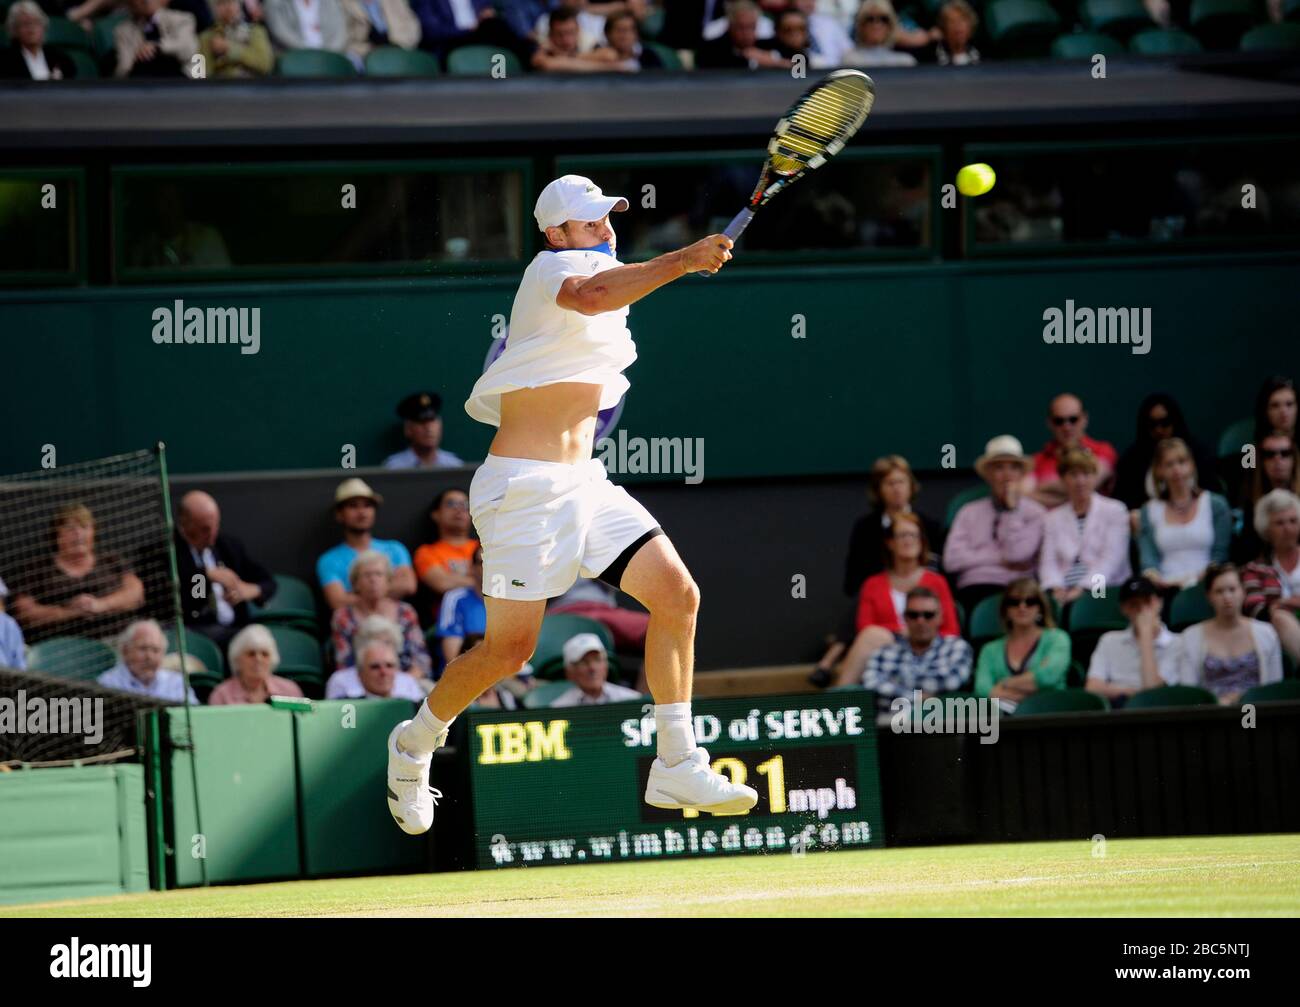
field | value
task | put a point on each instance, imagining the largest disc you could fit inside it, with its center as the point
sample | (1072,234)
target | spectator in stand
(950,38)
(444,562)
(254,658)
(883,599)
(891,489)
(738,48)
(586,665)
(371,577)
(355,506)
(791,39)
(1033,655)
(13,648)
(1275,407)
(875,32)
(75,590)
(1228,653)
(1086,538)
(373,23)
(1272,581)
(377,674)
(231,577)
(142,648)
(561,51)
(1186,528)
(234,47)
(594,599)
(27,57)
(923,659)
(829,40)
(462,617)
(154,41)
(449,24)
(593,18)
(623,43)
(1068,421)
(1158,417)
(1277,467)
(996,539)
(1143,656)
(307,24)
(421,415)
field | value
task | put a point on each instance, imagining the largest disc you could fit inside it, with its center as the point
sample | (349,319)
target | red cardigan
(876,607)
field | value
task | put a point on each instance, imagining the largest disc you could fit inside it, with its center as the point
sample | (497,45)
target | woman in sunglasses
(1033,655)
(875,30)
(883,599)
(1159,417)
(1275,468)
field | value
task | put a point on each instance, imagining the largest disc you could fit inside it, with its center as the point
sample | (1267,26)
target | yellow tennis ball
(975,179)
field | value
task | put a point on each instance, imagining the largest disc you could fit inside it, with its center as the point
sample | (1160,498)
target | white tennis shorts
(544,524)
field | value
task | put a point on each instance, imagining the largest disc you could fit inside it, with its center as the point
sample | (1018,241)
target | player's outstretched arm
(617,288)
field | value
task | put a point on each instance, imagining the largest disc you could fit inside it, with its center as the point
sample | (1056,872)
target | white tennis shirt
(548,344)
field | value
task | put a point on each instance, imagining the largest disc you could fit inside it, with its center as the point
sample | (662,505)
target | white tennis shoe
(410,798)
(692,784)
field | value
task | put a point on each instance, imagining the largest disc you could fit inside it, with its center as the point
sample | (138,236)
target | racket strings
(820,123)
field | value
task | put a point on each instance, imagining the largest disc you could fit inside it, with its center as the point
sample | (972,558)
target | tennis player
(545,511)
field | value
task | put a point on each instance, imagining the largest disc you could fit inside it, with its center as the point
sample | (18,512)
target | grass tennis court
(1218,876)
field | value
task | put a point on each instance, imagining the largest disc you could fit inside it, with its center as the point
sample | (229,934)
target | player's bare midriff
(554,423)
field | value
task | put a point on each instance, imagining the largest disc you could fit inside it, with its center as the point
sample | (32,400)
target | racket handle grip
(733,231)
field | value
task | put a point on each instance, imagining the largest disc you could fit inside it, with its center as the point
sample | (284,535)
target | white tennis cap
(578,647)
(572,197)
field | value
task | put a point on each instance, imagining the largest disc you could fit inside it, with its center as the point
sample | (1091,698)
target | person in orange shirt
(445,562)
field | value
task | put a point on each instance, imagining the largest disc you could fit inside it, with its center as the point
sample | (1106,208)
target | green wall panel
(345,823)
(73,832)
(895,358)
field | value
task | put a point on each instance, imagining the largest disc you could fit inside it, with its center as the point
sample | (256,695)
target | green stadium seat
(1061,701)
(1021,28)
(71,657)
(962,499)
(1189,606)
(103,33)
(310,680)
(545,694)
(1286,691)
(478,61)
(200,646)
(297,649)
(1164,42)
(394,61)
(1219,24)
(68,35)
(1121,18)
(667,54)
(985,624)
(87,68)
(314,63)
(1272,38)
(293,604)
(1171,695)
(1089,614)
(1234,437)
(1085,45)
(652,25)
(548,657)
(1077,675)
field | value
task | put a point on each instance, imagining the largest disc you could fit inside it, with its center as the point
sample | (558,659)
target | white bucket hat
(1003,448)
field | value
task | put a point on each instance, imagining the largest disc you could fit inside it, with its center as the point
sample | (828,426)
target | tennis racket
(812,131)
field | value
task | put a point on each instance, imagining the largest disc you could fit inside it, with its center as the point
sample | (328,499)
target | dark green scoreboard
(566,786)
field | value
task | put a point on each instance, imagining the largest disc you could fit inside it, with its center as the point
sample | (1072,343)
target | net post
(178,614)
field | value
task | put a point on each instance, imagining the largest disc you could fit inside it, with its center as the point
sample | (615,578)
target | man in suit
(217,563)
(448,24)
(307,24)
(154,41)
(28,57)
(374,23)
